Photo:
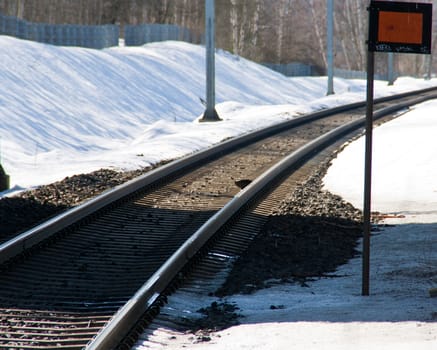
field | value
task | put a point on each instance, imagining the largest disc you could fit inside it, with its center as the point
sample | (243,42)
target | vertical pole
(368,175)
(330,46)
(4,178)
(210,114)
(429,70)
(390,70)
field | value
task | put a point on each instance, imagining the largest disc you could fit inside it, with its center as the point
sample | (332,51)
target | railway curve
(63,281)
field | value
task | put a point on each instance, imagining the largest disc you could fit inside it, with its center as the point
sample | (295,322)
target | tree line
(275,31)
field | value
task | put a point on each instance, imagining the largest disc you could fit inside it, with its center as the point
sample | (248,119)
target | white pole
(210,113)
(390,64)
(330,46)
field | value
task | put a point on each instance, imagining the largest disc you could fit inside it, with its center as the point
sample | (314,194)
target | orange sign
(400,27)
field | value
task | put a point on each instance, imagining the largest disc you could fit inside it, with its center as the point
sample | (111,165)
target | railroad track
(69,282)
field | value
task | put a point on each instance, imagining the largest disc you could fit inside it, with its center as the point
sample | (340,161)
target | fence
(293,69)
(297,69)
(101,36)
(355,74)
(136,35)
(96,37)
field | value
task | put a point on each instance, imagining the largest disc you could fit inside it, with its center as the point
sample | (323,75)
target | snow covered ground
(71,110)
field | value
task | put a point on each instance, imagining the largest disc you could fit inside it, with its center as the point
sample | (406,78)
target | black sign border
(379,46)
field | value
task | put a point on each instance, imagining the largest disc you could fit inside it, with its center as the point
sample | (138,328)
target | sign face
(403,27)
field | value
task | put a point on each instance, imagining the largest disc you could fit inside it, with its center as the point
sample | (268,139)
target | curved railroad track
(69,282)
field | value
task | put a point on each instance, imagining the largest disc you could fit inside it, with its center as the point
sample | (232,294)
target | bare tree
(262,30)
(319,29)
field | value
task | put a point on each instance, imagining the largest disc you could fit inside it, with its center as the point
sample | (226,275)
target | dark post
(4,180)
(368,174)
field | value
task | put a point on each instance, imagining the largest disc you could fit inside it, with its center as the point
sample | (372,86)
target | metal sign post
(393,27)
(210,114)
(368,175)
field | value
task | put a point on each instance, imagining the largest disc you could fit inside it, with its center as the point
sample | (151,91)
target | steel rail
(118,327)
(31,237)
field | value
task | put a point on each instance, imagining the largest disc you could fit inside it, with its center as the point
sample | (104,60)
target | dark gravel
(311,234)
(29,208)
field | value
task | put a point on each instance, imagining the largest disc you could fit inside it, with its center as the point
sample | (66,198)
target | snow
(407,140)
(71,110)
